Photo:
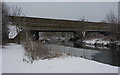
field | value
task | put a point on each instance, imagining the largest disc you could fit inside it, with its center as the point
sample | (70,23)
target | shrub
(34,50)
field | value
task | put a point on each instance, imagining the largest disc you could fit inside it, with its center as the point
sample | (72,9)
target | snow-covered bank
(12,31)
(102,44)
(13,63)
(93,41)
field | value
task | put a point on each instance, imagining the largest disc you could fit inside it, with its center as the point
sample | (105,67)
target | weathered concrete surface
(42,24)
(54,25)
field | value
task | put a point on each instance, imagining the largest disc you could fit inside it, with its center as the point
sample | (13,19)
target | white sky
(92,11)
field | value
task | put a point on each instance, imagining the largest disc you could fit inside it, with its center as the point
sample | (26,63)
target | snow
(12,31)
(93,46)
(92,41)
(13,55)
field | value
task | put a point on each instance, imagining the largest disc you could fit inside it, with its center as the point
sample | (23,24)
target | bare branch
(5,21)
(111,18)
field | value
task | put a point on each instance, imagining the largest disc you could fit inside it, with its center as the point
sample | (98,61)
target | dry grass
(34,50)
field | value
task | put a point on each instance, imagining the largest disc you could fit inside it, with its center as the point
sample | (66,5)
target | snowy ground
(12,31)
(100,41)
(13,63)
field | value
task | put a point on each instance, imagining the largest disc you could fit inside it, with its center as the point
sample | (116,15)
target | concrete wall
(61,25)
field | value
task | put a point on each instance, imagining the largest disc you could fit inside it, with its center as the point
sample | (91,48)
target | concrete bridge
(43,24)
(34,25)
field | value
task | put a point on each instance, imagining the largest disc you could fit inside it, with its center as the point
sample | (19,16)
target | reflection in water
(110,56)
(79,52)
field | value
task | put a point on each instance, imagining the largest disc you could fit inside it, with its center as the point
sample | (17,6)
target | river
(105,55)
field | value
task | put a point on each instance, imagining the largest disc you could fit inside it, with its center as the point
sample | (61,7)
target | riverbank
(13,55)
(101,43)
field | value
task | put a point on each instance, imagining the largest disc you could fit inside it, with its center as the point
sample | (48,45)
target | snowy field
(13,55)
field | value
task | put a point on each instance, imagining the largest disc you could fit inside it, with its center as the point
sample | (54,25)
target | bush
(34,50)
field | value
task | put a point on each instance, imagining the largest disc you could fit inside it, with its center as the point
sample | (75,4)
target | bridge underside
(35,25)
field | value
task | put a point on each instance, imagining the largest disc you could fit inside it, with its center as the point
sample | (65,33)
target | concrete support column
(83,33)
(36,35)
(27,34)
(78,35)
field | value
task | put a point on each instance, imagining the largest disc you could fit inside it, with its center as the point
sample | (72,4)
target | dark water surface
(108,55)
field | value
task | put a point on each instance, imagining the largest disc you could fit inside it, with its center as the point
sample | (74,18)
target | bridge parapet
(42,24)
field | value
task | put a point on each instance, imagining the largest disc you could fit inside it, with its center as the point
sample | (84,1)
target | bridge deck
(41,24)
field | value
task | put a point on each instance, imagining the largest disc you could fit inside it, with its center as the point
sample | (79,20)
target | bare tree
(113,19)
(5,14)
(7,11)
(83,19)
(16,12)
(17,19)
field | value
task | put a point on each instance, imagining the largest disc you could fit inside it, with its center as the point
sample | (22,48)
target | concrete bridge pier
(78,35)
(27,34)
(83,33)
(34,35)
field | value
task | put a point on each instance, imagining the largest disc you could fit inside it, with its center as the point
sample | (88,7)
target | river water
(104,55)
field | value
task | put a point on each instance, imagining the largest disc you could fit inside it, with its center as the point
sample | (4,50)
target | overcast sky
(92,11)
